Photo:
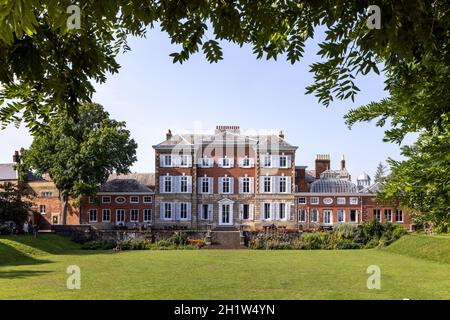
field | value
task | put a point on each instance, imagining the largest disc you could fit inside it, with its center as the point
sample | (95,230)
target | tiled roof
(124,185)
(147,179)
(8,171)
(185,140)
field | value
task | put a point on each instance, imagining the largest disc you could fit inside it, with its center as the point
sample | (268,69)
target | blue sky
(152,95)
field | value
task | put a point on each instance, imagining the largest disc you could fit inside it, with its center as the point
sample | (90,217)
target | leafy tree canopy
(79,155)
(15,203)
(45,67)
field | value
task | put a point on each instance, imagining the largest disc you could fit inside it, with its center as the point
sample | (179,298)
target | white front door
(120,217)
(226,214)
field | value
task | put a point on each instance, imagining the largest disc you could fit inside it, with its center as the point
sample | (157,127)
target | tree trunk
(64,201)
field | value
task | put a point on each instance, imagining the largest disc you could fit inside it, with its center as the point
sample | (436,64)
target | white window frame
(316,213)
(103,215)
(390,214)
(203,212)
(341,200)
(184,179)
(300,213)
(96,215)
(165,163)
(184,161)
(325,213)
(340,211)
(42,206)
(133,199)
(168,208)
(314,200)
(246,181)
(282,207)
(186,205)
(354,200)
(267,161)
(267,181)
(168,179)
(302,202)
(377,214)
(104,199)
(397,212)
(147,213)
(206,162)
(267,208)
(119,202)
(230,185)
(124,216)
(286,158)
(228,165)
(148,197)
(134,211)
(350,216)
(205,181)
(280,183)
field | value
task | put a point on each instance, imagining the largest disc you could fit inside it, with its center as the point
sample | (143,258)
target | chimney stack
(343,162)
(16,157)
(169,135)
(322,164)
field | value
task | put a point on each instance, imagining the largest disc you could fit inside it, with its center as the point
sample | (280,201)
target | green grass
(434,248)
(36,269)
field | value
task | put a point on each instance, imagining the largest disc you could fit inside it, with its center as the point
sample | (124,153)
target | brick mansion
(221,181)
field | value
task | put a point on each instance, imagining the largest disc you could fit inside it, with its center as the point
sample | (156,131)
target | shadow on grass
(46,244)
(21,274)
(10,256)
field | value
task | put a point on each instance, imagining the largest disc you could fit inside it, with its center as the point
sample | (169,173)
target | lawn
(36,269)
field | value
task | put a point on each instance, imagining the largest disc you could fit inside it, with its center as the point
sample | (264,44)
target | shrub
(199,243)
(99,245)
(5,230)
(346,244)
(179,238)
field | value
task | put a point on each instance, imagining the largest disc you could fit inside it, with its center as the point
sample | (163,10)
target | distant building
(222,181)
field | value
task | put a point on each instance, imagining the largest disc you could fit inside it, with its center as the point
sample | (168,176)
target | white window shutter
(288,211)
(261,184)
(252,185)
(176,211)
(241,211)
(211,185)
(261,212)
(241,185)
(220,163)
(241,162)
(210,212)
(289,161)
(189,184)
(189,161)
(275,184)
(275,161)
(161,184)
(220,185)
(231,185)
(252,162)
(199,212)
(289,184)
(161,210)
(251,211)
(275,211)
(232,162)
(189,211)
(199,186)
(161,160)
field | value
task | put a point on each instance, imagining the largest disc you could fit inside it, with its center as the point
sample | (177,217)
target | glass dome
(333,185)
